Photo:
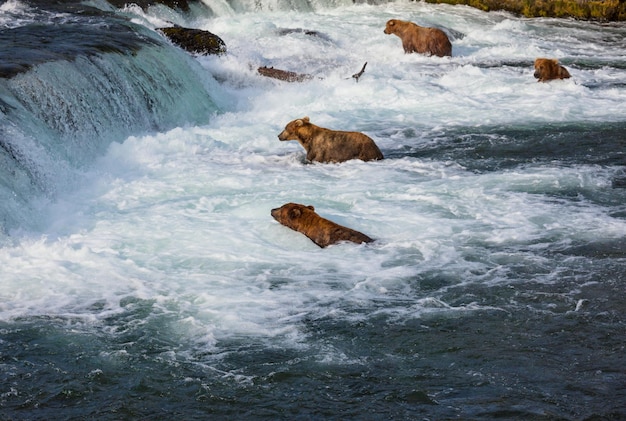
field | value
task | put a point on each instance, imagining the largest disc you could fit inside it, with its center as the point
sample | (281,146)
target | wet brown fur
(324,145)
(547,69)
(419,39)
(321,231)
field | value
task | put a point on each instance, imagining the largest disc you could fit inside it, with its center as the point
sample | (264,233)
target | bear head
(291,129)
(390,28)
(289,214)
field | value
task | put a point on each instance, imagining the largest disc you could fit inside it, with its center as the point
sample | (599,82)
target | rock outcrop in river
(195,40)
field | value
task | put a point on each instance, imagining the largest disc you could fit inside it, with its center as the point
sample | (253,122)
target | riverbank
(609,10)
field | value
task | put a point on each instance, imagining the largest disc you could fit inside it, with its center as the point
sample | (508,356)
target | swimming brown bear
(419,39)
(324,145)
(547,69)
(321,231)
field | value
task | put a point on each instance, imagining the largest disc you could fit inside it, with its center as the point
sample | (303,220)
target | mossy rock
(195,41)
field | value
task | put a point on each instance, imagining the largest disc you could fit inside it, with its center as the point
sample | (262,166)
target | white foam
(12,6)
(182,218)
(14,13)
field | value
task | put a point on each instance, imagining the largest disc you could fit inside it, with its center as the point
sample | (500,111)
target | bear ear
(294,213)
(305,119)
(311,207)
(299,122)
(391,22)
(555,61)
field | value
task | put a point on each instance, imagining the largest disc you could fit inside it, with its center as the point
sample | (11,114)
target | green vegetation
(604,10)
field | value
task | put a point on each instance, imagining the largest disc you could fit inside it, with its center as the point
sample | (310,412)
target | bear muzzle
(284,135)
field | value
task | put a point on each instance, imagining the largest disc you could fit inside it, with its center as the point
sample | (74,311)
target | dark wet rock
(287,31)
(27,46)
(619,182)
(195,41)
(307,32)
(144,4)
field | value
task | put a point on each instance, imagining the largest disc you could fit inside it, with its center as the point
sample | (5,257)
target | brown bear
(324,145)
(320,230)
(549,69)
(419,39)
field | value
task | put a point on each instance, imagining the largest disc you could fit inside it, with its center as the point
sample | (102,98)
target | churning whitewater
(144,277)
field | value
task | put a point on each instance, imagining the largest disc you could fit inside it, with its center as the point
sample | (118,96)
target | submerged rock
(89,37)
(195,41)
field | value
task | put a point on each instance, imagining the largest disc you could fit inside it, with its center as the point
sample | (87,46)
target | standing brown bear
(321,231)
(419,39)
(324,145)
(549,69)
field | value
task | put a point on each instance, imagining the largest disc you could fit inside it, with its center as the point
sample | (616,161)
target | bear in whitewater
(549,69)
(330,146)
(419,39)
(321,231)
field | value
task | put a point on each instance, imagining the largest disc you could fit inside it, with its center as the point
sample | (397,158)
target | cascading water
(66,103)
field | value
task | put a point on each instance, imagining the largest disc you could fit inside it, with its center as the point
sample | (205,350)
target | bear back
(419,39)
(321,231)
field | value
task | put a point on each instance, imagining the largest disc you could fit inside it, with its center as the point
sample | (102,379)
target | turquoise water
(143,276)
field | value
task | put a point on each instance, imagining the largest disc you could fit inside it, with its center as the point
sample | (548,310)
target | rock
(195,41)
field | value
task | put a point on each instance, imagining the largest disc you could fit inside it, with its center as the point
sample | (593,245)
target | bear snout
(537,74)
(275,213)
(283,135)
